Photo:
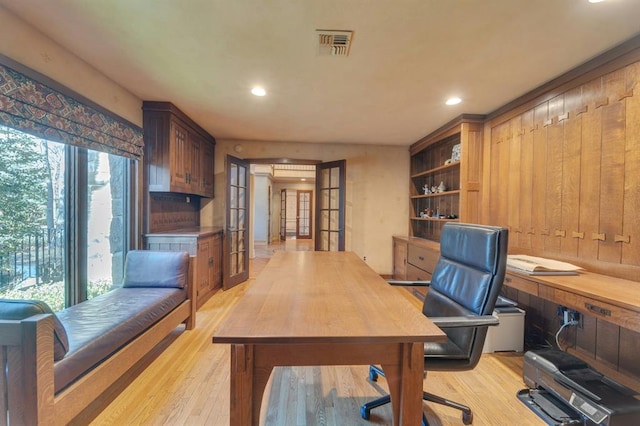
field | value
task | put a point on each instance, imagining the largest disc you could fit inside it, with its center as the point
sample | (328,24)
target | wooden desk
(607,298)
(324,308)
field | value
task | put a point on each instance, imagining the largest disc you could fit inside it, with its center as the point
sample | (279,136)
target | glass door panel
(236,256)
(330,212)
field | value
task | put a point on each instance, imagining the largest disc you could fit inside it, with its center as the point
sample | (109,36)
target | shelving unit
(431,165)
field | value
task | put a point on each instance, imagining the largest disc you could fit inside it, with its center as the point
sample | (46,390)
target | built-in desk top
(611,299)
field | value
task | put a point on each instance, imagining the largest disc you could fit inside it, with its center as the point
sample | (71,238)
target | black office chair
(461,297)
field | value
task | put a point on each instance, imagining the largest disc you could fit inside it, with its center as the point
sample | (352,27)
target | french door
(330,202)
(283,214)
(237,223)
(303,214)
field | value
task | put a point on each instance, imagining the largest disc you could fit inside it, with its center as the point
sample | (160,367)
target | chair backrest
(466,281)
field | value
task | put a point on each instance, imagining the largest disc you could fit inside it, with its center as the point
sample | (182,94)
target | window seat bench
(56,364)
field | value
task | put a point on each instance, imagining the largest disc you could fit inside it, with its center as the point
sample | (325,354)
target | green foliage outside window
(23,188)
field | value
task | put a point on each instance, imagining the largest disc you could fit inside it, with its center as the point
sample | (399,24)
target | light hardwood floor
(186,382)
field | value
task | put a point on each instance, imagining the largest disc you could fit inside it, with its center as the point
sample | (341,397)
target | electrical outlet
(568,315)
(574,316)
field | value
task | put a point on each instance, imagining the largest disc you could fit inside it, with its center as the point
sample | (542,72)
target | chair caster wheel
(373,376)
(365,413)
(467,418)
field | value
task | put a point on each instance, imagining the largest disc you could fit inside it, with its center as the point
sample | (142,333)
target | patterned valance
(35,108)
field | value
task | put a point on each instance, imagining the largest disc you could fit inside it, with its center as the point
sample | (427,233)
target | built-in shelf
(438,194)
(433,164)
(436,170)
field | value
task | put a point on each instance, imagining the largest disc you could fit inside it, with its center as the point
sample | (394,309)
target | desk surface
(323,297)
(616,291)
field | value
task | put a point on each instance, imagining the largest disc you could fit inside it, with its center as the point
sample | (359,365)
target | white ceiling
(406,58)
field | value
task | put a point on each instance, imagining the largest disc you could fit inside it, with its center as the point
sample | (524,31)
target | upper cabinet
(179,154)
(446,172)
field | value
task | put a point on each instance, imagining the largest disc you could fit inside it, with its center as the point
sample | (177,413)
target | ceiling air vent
(334,43)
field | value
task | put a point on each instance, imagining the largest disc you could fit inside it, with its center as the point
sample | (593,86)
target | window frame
(77,193)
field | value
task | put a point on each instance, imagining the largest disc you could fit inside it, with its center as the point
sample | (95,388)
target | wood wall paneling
(628,357)
(586,336)
(607,343)
(631,214)
(590,170)
(612,163)
(513,179)
(564,174)
(168,211)
(525,204)
(553,192)
(572,143)
(538,197)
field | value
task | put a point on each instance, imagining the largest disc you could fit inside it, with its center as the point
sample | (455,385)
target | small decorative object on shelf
(455,153)
(442,187)
(426,189)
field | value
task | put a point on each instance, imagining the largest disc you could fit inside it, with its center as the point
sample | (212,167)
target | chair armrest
(465,321)
(410,283)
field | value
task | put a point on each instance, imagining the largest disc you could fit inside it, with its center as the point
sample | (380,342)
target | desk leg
(247,386)
(405,384)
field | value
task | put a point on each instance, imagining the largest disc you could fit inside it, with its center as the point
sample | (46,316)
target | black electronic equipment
(564,390)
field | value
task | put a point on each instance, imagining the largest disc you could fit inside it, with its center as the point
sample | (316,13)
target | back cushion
(145,268)
(15,309)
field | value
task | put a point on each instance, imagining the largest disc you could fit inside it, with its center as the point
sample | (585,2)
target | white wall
(29,47)
(260,213)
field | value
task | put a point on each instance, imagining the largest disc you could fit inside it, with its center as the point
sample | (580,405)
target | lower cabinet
(202,243)
(414,259)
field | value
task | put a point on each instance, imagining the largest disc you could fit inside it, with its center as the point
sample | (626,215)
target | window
(65,177)
(64,214)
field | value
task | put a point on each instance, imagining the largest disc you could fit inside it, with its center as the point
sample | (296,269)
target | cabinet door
(207,156)
(216,262)
(203,274)
(180,153)
(194,164)
(399,260)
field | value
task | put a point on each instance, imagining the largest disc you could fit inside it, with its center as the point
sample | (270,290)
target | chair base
(365,409)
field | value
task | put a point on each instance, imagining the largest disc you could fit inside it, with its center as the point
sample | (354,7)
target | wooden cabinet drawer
(599,309)
(417,274)
(521,284)
(422,258)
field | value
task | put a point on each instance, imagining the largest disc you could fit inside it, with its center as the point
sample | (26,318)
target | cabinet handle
(575,234)
(597,309)
(622,238)
(211,261)
(507,279)
(600,237)
(560,233)
(421,258)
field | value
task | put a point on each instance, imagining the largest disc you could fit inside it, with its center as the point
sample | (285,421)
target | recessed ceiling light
(453,101)
(258,91)
(596,1)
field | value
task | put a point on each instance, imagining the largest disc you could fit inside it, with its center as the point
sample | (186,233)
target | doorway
(250,191)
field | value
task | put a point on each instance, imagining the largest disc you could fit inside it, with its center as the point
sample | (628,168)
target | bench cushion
(17,309)
(145,268)
(100,326)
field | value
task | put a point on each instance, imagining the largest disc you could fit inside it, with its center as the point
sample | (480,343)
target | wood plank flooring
(185,381)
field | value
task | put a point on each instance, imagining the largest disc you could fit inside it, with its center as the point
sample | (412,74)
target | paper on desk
(533,265)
